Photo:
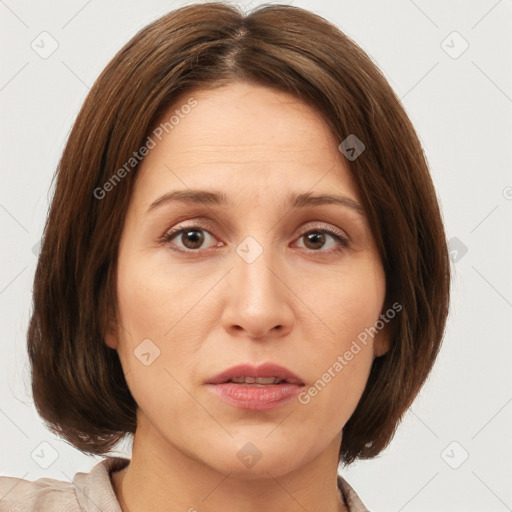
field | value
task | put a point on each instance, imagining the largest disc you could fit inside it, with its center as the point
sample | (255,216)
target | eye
(315,240)
(191,238)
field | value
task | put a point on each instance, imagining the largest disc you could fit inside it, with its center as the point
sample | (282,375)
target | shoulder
(352,500)
(17,495)
(87,492)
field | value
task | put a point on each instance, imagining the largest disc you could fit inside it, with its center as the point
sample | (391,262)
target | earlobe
(111,336)
(380,348)
(111,341)
(382,342)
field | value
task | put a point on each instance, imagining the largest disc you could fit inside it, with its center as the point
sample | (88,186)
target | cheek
(154,297)
(349,305)
(156,313)
(348,301)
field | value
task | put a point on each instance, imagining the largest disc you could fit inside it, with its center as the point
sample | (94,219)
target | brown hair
(77,381)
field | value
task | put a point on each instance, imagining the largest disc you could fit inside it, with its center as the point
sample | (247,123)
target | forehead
(244,134)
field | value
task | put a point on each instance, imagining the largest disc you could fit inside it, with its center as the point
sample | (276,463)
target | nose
(258,298)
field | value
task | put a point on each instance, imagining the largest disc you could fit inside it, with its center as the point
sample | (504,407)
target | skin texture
(208,309)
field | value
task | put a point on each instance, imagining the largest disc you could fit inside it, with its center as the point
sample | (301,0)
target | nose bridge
(257,297)
(253,262)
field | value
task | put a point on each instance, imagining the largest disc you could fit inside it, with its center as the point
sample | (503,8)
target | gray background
(453,449)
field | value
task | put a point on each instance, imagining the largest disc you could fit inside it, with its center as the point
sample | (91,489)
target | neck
(170,481)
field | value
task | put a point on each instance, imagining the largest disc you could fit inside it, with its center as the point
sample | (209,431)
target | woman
(244,267)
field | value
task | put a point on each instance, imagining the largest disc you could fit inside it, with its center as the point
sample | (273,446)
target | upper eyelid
(357,224)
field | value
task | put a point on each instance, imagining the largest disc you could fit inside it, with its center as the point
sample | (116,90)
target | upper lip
(263,370)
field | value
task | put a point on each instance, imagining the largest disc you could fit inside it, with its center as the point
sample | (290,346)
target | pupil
(315,238)
(196,238)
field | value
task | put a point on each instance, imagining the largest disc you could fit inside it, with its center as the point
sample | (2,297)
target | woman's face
(252,280)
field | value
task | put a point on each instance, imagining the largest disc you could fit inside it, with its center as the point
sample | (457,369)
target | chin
(254,458)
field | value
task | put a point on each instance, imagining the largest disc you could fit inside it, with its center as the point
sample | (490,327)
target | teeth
(265,381)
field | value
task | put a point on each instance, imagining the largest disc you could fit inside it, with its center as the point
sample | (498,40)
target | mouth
(258,381)
(267,374)
(256,388)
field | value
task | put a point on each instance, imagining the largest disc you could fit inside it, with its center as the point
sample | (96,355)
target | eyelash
(343,241)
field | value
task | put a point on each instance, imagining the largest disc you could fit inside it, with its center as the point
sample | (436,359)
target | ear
(382,340)
(111,334)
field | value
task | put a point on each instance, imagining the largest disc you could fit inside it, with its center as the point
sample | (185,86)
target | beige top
(92,492)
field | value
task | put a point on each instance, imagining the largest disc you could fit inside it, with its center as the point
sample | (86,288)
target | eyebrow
(219,198)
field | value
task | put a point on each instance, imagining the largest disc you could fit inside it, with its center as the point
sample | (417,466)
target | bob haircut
(78,382)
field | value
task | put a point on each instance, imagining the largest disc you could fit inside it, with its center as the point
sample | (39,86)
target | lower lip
(256,398)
